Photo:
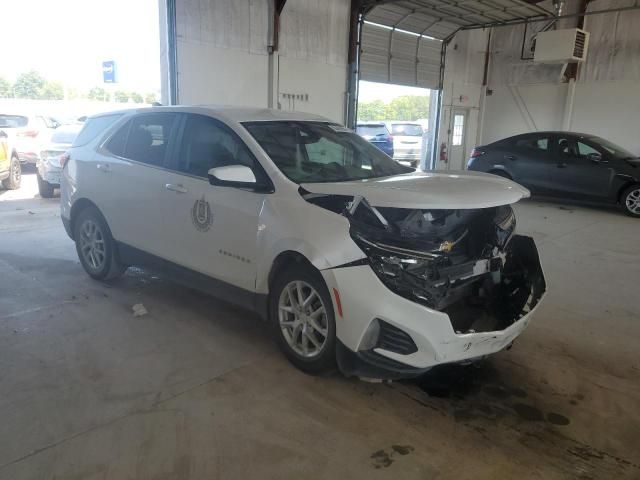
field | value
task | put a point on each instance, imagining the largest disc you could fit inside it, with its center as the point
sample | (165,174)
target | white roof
(236,114)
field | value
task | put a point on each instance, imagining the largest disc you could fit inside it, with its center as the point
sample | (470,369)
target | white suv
(351,257)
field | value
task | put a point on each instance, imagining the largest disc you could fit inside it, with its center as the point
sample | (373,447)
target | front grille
(578,49)
(395,340)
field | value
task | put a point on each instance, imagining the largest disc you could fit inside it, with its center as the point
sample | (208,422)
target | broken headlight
(409,273)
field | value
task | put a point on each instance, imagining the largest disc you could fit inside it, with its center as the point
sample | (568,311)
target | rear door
(577,174)
(213,229)
(132,169)
(529,161)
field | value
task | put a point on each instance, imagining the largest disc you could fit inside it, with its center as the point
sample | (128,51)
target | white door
(212,229)
(130,172)
(457,139)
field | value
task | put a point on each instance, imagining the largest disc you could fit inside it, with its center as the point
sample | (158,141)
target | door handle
(510,157)
(562,165)
(104,167)
(176,188)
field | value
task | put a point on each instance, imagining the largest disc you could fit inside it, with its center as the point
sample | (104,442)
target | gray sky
(67,40)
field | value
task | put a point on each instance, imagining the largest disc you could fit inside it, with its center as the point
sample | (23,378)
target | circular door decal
(201,215)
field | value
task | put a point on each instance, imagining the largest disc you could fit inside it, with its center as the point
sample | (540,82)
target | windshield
(615,150)
(407,129)
(13,121)
(371,130)
(321,152)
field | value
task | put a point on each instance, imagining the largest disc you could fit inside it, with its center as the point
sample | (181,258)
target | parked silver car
(48,164)
(30,133)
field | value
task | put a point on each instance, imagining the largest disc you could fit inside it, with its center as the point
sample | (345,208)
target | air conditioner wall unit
(561,46)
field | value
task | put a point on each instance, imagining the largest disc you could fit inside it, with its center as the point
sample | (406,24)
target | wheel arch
(77,207)
(501,172)
(285,260)
(623,188)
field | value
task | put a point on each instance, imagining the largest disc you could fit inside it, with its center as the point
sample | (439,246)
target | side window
(116,144)
(207,144)
(540,144)
(148,138)
(584,150)
(567,146)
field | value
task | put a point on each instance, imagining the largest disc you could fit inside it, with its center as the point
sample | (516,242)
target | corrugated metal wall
(397,57)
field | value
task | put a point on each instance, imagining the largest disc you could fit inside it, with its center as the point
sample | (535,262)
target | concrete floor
(196,388)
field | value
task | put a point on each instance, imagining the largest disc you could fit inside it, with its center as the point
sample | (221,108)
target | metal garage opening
(404,42)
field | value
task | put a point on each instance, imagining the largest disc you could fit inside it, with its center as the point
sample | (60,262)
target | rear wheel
(630,201)
(44,187)
(95,245)
(302,314)
(12,182)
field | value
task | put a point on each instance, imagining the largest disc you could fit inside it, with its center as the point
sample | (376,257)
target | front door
(457,139)
(212,229)
(578,172)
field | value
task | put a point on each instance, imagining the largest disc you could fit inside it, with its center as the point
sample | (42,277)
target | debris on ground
(139,310)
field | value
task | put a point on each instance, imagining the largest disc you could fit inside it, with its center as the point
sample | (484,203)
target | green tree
(29,85)
(52,91)
(5,88)
(406,107)
(98,93)
(136,97)
(150,98)
(375,110)
(121,96)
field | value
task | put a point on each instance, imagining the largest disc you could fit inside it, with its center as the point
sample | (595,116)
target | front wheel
(95,246)
(303,320)
(12,182)
(631,201)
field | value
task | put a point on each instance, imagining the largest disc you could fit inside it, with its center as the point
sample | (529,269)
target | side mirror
(239,176)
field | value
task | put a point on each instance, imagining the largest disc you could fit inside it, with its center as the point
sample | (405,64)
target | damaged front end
(467,263)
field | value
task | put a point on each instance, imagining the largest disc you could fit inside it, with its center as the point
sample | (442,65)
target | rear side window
(13,121)
(534,143)
(371,130)
(94,127)
(144,138)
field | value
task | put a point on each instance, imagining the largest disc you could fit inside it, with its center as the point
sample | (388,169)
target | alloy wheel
(15,172)
(92,244)
(633,201)
(303,319)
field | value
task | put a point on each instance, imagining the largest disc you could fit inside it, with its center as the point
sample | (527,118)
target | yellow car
(10,171)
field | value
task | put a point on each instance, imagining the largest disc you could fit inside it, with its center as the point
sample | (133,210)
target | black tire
(325,360)
(44,187)
(630,201)
(12,182)
(106,266)
(501,173)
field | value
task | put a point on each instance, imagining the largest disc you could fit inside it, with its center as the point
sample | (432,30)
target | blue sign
(109,71)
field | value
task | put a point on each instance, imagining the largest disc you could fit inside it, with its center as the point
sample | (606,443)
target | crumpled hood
(429,190)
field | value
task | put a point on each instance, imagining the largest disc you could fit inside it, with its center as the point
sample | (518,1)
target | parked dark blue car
(377,134)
